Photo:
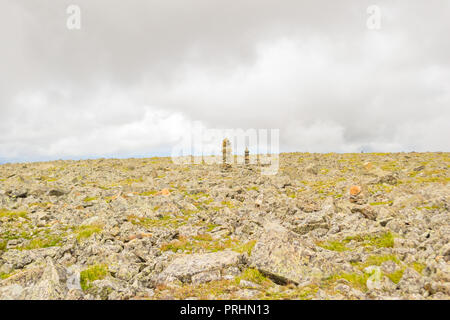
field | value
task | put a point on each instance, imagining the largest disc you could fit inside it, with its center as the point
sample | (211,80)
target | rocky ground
(327,226)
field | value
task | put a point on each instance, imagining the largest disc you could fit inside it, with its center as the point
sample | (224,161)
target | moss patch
(254,276)
(247,247)
(89,199)
(333,246)
(396,276)
(384,240)
(203,244)
(43,242)
(419,267)
(84,232)
(95,272)
(13,214)
(164,221)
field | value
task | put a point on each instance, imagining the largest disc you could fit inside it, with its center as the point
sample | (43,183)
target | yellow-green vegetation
(203,243)
(164,221)
(148,193)
(333,246)
(3,245)
(377,260)
(229,204)
(130,181)
(418,266)
(4,275)
(48,179)
(222,289)
(254,276)
(390,166)
(40,204)
(247,247)
(89,199)
(4,213)
(380,187)
(84,232)
(290,293)
(95,272)
(381,203)
(359,279)
(324,188)
(432,207)
(384,240)
(356,280)
(396,276)
(46,241)
(211,227)
(291,194)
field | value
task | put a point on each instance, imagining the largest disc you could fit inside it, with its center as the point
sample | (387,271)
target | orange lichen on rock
(164,192)
(355,190)
(368,165)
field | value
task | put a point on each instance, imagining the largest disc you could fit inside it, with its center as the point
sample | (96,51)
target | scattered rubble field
(326,226)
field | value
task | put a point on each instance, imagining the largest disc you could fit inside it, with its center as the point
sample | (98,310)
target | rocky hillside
(327,226)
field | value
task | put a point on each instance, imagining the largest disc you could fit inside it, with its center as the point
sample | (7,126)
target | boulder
(199,267)
(280,256)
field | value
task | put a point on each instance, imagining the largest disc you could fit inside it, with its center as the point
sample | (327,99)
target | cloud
(137,74)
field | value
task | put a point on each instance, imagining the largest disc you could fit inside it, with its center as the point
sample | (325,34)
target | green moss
(333,246)
(40,204)
(385,240)
(303,293)
(13,214)
(95,272)
(381,203)
(432,179)
(6,275)
(89,199)
(211,227)
(148,193)
(357,280)
(130,181)
(254,276)
(380,187)
(3,245)
(164,221)
(45,242)
(200,243)
(229,204)
(377,260)
(419,267)
(84,232)
(396,276)
(247,247)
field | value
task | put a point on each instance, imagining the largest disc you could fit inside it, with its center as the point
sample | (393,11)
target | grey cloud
(311,68)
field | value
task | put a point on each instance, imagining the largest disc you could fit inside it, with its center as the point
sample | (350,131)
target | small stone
(368,165)
(164,192)
(355,190)
(366,211)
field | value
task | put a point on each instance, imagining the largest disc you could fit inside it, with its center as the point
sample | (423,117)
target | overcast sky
(137,73)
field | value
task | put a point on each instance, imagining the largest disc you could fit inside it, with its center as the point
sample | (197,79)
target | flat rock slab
(279,255)
(189,267)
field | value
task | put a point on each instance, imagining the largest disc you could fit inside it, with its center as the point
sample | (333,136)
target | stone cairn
(227,158)
(247,156)
(226,153)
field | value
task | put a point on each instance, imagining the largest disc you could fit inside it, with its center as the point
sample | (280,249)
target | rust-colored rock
(355,190)
(368,165)
(164,192)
